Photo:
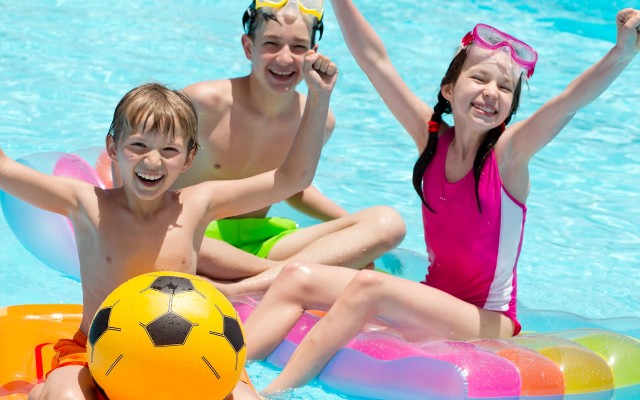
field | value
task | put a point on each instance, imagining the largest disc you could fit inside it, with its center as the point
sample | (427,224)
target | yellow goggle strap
(279,4)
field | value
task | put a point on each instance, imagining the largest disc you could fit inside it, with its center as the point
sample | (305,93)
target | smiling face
(150,161)
(483,94)
(152,139)
(277,51)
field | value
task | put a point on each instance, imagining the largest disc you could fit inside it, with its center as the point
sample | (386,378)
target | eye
(507,89)
(136,147)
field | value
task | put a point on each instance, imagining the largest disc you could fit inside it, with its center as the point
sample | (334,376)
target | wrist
(623,53)
(318,98)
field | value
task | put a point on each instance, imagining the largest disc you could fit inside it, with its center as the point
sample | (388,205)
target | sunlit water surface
(65,64)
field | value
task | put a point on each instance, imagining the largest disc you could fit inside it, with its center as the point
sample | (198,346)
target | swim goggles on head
(490,38)
(310,7)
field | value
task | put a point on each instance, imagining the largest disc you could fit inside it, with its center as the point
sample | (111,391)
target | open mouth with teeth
(281,76)
(149,180)
(485,110)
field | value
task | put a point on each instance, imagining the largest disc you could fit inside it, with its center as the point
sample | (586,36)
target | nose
(153,159)
(490,90)
(284,56)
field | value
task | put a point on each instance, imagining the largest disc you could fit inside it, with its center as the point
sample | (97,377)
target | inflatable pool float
(30,224)
(27,336)
(586,363)
(576,358)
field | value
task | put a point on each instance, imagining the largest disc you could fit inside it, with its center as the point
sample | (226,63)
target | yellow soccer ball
(166,335)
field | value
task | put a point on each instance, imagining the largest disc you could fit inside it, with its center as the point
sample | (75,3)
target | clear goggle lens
(491,38)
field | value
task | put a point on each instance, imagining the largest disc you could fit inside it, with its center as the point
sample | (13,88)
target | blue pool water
(65,64)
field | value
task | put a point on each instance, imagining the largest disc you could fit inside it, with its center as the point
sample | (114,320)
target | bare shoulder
(212,94)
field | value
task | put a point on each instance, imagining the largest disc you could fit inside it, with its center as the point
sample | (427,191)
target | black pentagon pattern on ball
(99,325)
(233,333)
(169,329)
(172,285)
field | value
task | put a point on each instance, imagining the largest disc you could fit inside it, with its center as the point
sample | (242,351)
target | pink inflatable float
(573,364)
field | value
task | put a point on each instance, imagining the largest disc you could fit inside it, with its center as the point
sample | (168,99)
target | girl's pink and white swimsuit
(473,255)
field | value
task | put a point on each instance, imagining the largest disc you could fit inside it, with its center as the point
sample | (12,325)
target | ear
(447,91)
(189,161)
(111,148)
(247,46)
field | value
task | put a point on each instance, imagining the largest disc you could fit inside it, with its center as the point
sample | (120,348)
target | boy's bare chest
(245,148)
(133,246)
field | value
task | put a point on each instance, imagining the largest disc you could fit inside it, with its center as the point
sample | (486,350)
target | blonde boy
(143,225)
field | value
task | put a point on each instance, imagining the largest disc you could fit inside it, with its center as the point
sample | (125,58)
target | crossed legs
(352,241)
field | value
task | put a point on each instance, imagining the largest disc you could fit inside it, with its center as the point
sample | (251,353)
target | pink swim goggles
(490,38)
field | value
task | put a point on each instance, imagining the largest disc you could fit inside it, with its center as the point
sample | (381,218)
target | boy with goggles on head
(246,126)
(473,181)
(312,8)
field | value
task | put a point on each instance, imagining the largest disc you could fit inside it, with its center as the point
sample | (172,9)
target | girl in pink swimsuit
(473,181)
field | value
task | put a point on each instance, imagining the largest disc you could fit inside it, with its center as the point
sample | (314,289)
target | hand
(628,22)
(319,72)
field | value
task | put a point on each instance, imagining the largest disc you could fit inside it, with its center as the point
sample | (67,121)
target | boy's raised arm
(296,173)
(52,193)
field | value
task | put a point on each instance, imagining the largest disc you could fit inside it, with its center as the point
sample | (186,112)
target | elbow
(296,181)
(305,180)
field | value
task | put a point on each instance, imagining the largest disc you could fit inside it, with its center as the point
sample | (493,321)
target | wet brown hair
(168,110)
(253,18)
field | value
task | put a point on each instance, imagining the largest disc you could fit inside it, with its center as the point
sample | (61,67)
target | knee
(389,224)
(62,395)
(295,279)
(362,292)
(35,393)
(365,284)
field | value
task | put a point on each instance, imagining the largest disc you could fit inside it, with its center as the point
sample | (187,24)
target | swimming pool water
(65,64)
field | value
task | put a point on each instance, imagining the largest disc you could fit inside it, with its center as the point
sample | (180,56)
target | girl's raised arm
(372,57)
(532,134)
(52,193)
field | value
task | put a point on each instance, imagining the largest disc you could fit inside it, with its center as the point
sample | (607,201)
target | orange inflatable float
(27,336)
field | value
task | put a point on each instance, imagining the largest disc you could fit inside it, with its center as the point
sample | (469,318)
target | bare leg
(298,288)
(244,391)
(219,260)
(67,383)
(416,311)
(352,241)
(253,285)
(35,393)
